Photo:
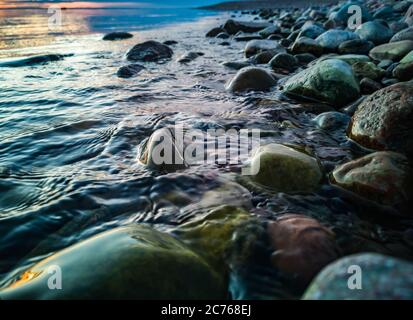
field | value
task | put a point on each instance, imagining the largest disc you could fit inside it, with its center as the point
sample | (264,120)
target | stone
(265,33)
(131,262)
(130,70)
(383,120)
(375,32)
(311,30)
(331,120)
(170,42)
(407,58)
(263,57)
(190,56)
(214,32)
(368,86)
(284,61)
(306,45)
(384,177)
(117,36)
(162,152)
(383,278)
(284,169)
(367,70)
(405,34)
(331,39)
(351,59)
(233,26)
(236,65)
(331,81)
(355,47)
(385,12)
(398,26)
(302,246)
(384,64)
(149,51)
(392,51)
(343,14)
(256,46)
(222,35)
(404,71)
(251,79)
(305,58)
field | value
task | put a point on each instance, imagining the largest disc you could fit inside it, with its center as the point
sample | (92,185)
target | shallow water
(71,131)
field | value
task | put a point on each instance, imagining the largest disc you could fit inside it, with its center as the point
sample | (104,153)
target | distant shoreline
(251,5)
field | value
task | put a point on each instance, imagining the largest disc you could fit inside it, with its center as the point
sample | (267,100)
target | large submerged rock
(382,278)
(149,51)
(302,246)
(330,81)
(132,262)
(383,121)
(117,36)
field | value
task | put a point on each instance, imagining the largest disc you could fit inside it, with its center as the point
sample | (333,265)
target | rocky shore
(356,82)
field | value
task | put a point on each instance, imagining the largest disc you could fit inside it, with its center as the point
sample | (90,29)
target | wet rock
(407,58)
(355,47)
(190,56)
(404,71)
(285,42)
(367,70)
(351,58)
(405,34)
(256,46)
(375,32)
(233,26)
(311,30)
(132,262)
(306,45)
(210,233)
(302,246)
(330,81)
(384,177)
(170,42)
(162,152)
(33,60)
(384,64)
(398,26)
(236,65)
(117,36)
(130,70)
(385,12)
(214,32)
(149,51)
(342,15)
(224,43)
(388,82)
(383,278)
(222,35)
(274,29)
(284,61)
(251,78)
(284,169)
(392,51)
(331,120)
(331,39)
(263,57)
(383,120)
(368,86)
(245,37)
(305,58)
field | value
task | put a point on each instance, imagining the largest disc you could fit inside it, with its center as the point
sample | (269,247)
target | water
(71,130)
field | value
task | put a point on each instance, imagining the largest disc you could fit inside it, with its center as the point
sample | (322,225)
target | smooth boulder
(392,51)
(302,246)
(384,177)
(405,34)
(130,70)
(306,45)
(149,51)
(375,32)
(256,46)
(284,169)
(330,81)
(131,262)
(251,79)
(383,278)
(331,39)
(356,46)
(233,26)
(117,36)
